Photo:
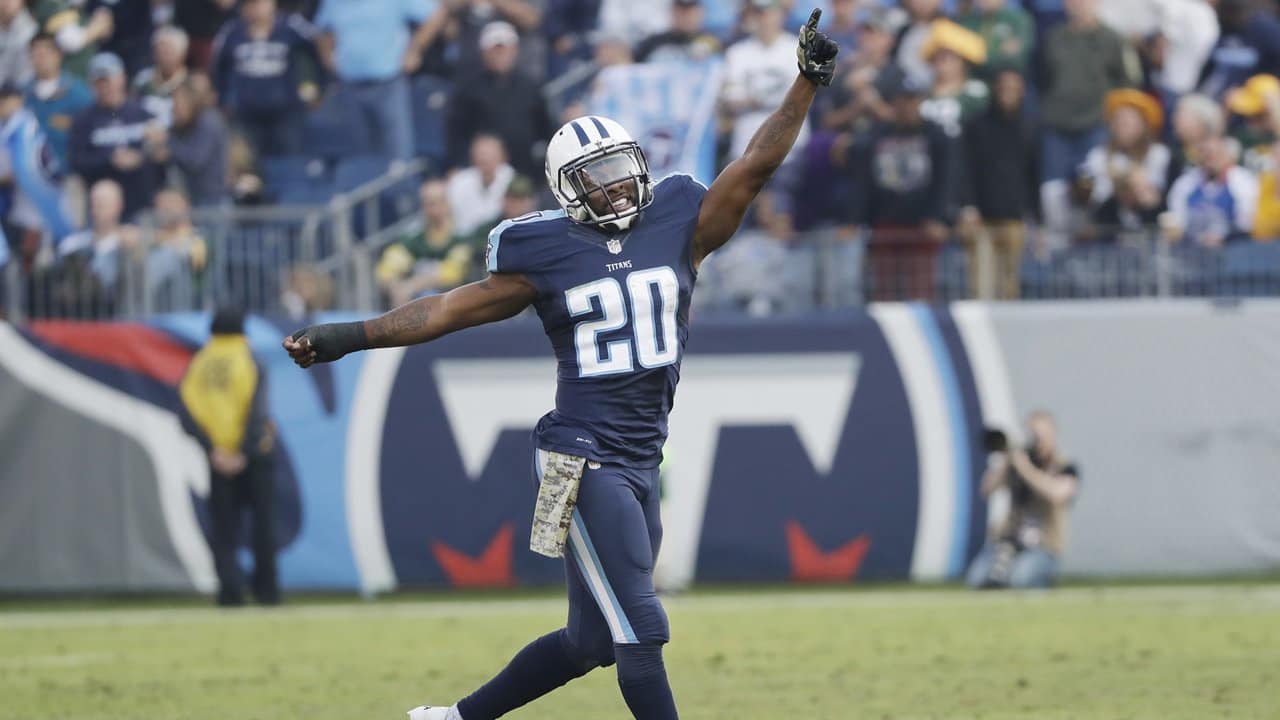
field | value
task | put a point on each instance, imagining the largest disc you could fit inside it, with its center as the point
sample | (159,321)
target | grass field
(1143,652)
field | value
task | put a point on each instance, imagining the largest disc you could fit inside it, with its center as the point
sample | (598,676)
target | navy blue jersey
(257,77)
(616,308)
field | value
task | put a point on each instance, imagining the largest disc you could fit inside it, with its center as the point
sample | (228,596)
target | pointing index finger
(814,17)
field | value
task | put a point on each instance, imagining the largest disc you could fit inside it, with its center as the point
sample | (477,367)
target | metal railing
(270,259)
(293,260)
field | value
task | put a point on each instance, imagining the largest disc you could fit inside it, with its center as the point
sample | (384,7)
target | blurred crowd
(952,123)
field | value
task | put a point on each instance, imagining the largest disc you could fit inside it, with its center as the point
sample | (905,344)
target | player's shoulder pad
(681,185)
(513,244)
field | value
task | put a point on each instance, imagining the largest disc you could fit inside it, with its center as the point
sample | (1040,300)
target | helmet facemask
(607,188)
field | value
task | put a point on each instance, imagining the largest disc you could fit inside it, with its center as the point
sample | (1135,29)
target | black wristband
(334,340)
(349,337)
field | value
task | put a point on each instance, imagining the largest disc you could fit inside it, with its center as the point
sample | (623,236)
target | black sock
(542,666)
(643,679)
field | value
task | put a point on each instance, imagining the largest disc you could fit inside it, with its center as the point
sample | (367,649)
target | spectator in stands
(899,193)
(476,192)
(1214,202)
(841,24)
(224,406)
(78,33)
(54,97)
(1174,38)
(433,256)
(758,70)
(1009,33)
(470,18)
(247,186)
(1025,549)
(1083,61)
(686,40)
(1196,118)
(911,40)
(633,20)
(130,37)
(202,19)
(154,85)
(106,138)
(1256,106)
(17,27)
(1258,102)
(90,262)
(1124,179)
(308,292)
(955,99)
(856,101)
(1249,44)
(176,254)
(256,69)
(195,146)
(568,25)
(501,101)
(1003,149)
(764,271)
(367,44)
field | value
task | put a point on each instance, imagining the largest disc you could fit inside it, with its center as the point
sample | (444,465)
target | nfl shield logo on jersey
(614,245)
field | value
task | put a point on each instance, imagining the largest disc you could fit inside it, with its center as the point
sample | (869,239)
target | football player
(610,274)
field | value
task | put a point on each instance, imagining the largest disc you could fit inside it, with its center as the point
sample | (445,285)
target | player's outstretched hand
(817,52)
(324,343)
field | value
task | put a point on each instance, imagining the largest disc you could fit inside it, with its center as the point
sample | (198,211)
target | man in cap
(500,100)
(106,139)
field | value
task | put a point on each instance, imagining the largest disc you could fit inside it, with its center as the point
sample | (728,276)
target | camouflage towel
(557,496)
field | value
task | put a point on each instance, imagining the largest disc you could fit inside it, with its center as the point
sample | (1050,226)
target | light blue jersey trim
(495,235)
(598,584)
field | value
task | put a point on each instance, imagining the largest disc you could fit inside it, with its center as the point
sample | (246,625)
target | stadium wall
(830,448)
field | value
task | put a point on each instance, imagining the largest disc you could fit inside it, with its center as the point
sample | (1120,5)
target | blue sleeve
(513,244)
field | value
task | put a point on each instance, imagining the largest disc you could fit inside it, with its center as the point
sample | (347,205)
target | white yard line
(1223,598)
(64,660)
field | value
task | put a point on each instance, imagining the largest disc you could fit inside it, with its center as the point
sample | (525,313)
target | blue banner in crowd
(24,141)
(669,108)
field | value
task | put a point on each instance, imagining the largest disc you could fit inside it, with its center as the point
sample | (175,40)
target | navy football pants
(613,543)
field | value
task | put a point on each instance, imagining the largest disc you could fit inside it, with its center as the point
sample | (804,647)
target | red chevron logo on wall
(809,563)
(492,568)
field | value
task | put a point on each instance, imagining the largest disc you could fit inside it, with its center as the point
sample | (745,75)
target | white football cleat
(427,712)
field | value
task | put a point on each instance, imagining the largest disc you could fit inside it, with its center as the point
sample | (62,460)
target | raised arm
(497,297)
(728,198)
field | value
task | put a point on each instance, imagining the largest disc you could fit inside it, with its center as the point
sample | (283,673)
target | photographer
(1025,549)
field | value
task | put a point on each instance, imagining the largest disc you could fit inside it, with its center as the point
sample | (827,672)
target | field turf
(1095,654)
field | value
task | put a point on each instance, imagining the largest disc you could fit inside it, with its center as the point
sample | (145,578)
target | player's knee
(589,650)
(639,662)
(649,623)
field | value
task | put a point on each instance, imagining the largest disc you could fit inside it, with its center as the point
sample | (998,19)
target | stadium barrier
(271,258)
(836,447)
(297,259)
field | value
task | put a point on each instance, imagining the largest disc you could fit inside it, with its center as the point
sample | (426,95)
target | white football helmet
(598,173)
